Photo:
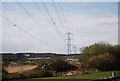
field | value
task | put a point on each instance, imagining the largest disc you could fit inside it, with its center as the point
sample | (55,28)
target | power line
(44,17)
(31,16)
(28,13)
(50,16)
(26,32)
(69,40)
(59,15)
(63,16)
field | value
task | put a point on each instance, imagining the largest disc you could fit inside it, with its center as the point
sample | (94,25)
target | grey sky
(90,22)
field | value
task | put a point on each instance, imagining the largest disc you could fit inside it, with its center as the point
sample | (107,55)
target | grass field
(84,77)
(87,76)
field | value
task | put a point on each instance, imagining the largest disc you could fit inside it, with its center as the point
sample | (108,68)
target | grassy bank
(91,76)
(84,77)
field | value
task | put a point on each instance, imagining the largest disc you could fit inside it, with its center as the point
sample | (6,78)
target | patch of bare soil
(20,68)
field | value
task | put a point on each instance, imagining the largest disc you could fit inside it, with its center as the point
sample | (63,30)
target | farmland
(84,77)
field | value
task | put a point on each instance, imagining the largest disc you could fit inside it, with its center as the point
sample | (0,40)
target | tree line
(101,56)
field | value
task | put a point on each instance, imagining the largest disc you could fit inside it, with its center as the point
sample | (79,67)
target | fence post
(113,75)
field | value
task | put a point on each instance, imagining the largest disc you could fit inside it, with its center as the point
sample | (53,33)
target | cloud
(90,29)
(86,28)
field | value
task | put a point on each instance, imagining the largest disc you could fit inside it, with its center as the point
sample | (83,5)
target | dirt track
(19,69)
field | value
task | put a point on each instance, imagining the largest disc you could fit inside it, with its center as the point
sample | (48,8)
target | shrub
(60,65)
(4,74)
(102,62)
(94,49)
(15,76)
(36,73)
(27,74)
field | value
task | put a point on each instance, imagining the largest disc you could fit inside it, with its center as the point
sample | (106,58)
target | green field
(84,77)
(87,76)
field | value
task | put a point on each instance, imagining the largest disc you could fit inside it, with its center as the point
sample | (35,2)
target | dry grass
(19,69)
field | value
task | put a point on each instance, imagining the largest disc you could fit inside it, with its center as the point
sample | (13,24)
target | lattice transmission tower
(69,42)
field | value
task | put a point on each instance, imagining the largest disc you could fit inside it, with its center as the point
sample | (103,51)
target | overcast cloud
(89,22)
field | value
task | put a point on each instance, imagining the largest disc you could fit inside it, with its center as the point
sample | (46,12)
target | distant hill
(23,56)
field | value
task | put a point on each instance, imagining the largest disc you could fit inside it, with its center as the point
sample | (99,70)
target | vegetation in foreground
(101,56)
(45,69)
(84,77)
(91,76)
(98,57)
